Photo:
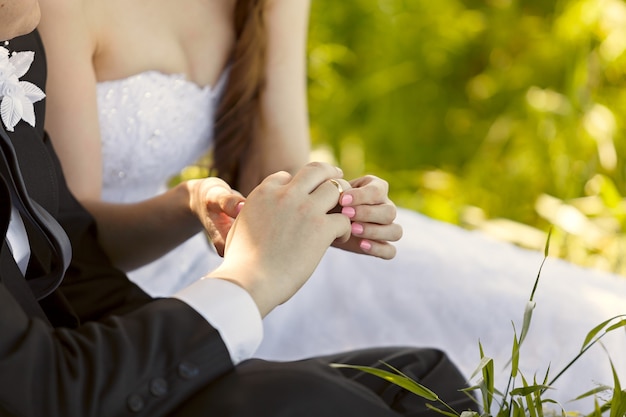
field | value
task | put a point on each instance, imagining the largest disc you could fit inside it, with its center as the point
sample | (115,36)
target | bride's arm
(151,228)
(282,141)
(71,110)
(131,234)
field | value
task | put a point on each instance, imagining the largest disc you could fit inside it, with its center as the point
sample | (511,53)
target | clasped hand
(273,241)
(364,201)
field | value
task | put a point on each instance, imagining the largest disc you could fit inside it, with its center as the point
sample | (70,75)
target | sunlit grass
(520,397)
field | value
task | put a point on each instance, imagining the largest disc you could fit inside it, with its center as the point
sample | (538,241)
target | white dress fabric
(447,288)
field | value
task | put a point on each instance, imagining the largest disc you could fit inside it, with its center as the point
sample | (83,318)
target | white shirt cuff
(231,310)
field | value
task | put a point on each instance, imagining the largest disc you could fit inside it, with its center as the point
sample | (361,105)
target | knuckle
(316,164)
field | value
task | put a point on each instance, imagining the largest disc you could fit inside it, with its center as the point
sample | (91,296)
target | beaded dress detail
(152,126)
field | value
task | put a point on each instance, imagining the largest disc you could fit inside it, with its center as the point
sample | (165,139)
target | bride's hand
(372,214)
(216,205)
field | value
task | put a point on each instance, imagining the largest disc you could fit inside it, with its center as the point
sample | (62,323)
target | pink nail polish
(239,206)
(348,211)
(357,228)
(365,245)
(346,199)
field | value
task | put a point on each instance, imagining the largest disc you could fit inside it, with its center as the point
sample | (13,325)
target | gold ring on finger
(336,184)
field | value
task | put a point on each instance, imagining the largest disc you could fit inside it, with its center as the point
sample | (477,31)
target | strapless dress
(152,126)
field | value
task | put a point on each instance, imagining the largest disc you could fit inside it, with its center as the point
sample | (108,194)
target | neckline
(178,76)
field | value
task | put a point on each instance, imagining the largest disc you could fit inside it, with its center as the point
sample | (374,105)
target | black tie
(43,223)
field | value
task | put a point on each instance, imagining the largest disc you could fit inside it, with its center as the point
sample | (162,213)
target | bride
(163,82)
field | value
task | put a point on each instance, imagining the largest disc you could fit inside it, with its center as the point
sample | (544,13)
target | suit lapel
(11,276)
(33,184)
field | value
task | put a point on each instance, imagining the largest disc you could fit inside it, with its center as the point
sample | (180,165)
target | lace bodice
(152,125)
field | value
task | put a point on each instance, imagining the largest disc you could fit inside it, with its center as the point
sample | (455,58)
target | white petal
(29,112)
(11,112)
(11,87)
(22,62)
(5,67)
(32,92)
(5,115)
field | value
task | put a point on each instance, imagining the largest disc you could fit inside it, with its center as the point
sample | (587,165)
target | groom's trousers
(311,388)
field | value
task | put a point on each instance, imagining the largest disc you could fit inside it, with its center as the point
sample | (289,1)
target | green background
(501,115)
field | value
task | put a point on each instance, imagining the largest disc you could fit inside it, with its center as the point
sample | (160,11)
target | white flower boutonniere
(17,97)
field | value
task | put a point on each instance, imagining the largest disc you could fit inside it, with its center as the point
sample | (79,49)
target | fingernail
(365,245)
(357,228)
(346,199)
(239,206)
(348,211)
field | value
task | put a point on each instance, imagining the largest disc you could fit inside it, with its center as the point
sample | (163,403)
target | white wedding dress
(447,288)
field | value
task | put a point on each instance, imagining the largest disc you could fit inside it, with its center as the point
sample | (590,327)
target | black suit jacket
(98,345)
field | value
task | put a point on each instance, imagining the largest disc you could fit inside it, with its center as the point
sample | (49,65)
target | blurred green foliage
(478,110)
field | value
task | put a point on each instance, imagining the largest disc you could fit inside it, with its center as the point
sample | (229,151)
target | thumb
(224,200)
(232,204)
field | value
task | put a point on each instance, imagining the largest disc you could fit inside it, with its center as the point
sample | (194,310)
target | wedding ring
(336,184)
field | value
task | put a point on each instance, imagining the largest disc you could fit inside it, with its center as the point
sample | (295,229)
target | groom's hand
(282,233)
(216,205)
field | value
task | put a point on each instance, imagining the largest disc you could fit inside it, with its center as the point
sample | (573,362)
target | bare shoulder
(62,11)
(67,23)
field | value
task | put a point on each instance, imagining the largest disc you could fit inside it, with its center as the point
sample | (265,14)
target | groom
(77,338)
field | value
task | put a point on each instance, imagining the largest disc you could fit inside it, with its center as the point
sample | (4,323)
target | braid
(239,110)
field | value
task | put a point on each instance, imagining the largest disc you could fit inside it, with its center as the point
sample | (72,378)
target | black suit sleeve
(145,363)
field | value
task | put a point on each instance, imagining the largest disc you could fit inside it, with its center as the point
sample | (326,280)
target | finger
(328,194)
(379,214)
(278,178)
(384,250)
(313,174)
(231,204)
(342,186)
(389,233)
(366,190)
(218,231)
(341,226)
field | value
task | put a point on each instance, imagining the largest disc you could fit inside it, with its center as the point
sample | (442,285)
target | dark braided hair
(239,110)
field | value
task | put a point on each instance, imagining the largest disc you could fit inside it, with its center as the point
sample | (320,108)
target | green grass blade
(597,390)
(528,315)
(402,381)
(529,389)
(515,355)
(440,411)
(618,325)
(530,404)
(484,361)
(545,256)
(593,332)
(618,402)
